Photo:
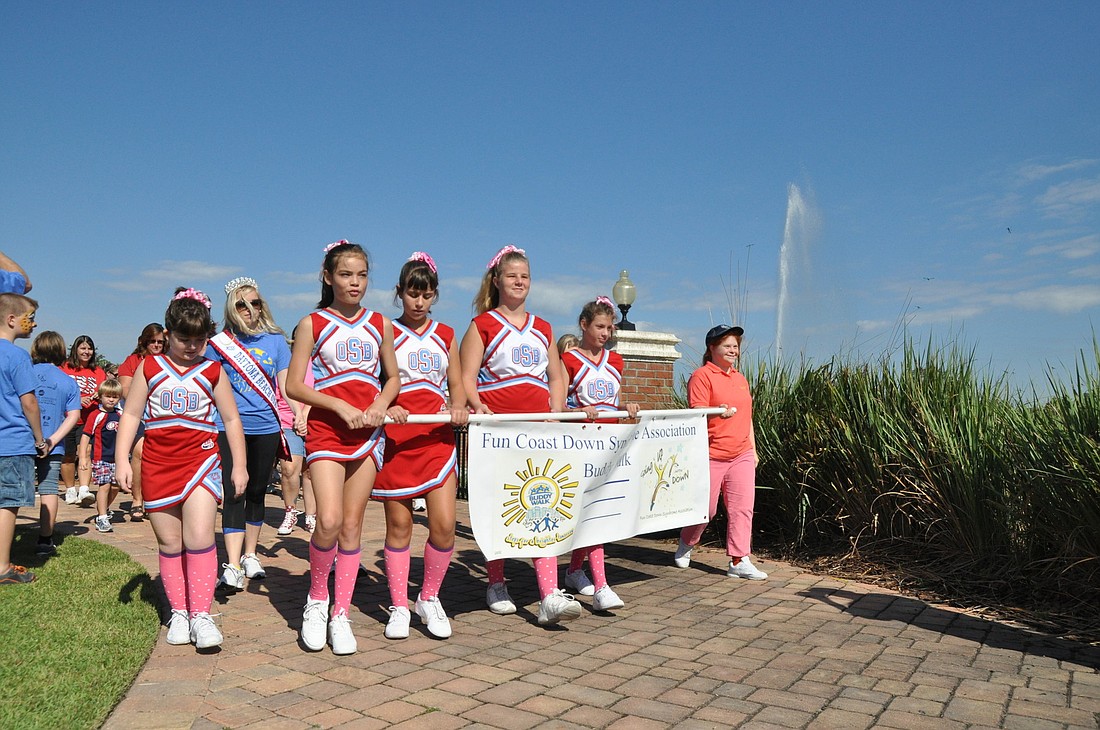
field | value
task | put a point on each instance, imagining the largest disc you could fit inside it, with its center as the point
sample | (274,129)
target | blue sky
(946,156)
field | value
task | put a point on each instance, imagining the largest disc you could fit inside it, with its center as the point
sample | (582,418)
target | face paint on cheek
(27,323)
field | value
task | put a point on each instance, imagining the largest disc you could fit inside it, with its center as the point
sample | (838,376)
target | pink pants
(736,481)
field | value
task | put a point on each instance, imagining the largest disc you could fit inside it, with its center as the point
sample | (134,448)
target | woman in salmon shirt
(732,443)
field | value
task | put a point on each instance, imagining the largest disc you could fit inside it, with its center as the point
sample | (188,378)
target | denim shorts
(297,443)
(48,470)
(16,481)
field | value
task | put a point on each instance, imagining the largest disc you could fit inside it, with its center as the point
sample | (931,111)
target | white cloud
(1070,199)
(1031,173)
(168,273)
(1058,298)
(1079,248)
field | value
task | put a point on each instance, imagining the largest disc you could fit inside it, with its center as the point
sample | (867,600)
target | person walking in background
(733,457)
(351,352)
(510,366)
(253,352)
(594,376)
(81,367)
(176,395)
(97,451)
(20,427)
(150,342)
(59,406)
(13,279)
(420,459)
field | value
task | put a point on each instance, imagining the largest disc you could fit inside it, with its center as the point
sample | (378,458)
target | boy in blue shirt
(20,427)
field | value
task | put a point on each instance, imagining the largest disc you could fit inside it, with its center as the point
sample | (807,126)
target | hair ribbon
(502,253)
(195,294)
(424,258)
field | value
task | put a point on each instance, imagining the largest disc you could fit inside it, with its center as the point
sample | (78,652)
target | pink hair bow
(334,244)
(604,300)
(502,253)
(194,294)
(424,258)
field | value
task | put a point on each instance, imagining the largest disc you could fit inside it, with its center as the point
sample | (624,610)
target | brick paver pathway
(692,649)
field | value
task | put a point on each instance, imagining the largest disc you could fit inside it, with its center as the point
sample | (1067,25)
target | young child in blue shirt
(59,407)
(20,427)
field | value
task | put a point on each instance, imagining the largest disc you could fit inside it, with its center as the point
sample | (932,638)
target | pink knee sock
(172,577)
(495,569)
(546,573)
(576,560)
(595,564)
(202,575)
(397,575)
(436,562)
(347,570)
(320,563)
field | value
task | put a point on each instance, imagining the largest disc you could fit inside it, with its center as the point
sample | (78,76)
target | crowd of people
(196,419)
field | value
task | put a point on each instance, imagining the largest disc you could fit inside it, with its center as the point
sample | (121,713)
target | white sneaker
(419,504)
(314,621)
(606,599)
(398,625)
(431,612)
(250,564)
(579,582)
(231,579)
(498,599)
(682,557)
(103,523)
(290,519)
(204,632)
(179,628)
(311,523)
(745,569)
(340,635)
(85,496)
(70,495)
(558,606)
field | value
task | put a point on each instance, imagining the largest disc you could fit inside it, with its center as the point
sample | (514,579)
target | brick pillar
(647,359)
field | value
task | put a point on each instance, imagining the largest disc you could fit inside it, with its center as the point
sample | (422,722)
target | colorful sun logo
(542,499)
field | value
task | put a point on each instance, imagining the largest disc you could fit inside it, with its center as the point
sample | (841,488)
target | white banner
(538,489)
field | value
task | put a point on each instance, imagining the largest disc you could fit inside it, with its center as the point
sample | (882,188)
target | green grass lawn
(72,642)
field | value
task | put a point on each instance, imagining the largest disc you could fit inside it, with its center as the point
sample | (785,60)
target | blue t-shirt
(273,354)
(57,395)
(16,379)
(12,282)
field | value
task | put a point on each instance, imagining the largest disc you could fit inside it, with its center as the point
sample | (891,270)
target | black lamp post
(623,293)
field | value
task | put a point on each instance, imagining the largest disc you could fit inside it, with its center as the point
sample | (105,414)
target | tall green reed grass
(939,466)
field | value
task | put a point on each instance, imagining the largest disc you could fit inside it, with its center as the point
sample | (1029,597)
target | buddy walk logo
(539,505)
(663,472)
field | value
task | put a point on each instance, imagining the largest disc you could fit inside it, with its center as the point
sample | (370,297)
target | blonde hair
(109,388)
(488,296)
(262,321)
(11,303)
(567,342)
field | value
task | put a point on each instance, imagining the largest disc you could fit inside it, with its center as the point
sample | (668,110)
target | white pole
(571,416)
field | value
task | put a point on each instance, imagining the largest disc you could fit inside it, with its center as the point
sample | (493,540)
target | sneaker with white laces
(340,635)
(70,495)
(558,606)
(314,623)
(85,497)
(745,569)
(496,595)
(311,523)
(431,612)
(606,599)
(204,632)
(231,579)
(290,519)
(682,557)
(103,524)
(398,625)
(250,564)
(179,628)
(579,582)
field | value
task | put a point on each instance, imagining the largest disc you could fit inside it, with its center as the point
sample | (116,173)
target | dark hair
(74,360)
(590,310)
(189,317)
(415,276)
(48,346)
(148,332)
(332,258)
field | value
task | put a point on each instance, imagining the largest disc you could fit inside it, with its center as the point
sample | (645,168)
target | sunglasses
(256,304)
(156,342)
